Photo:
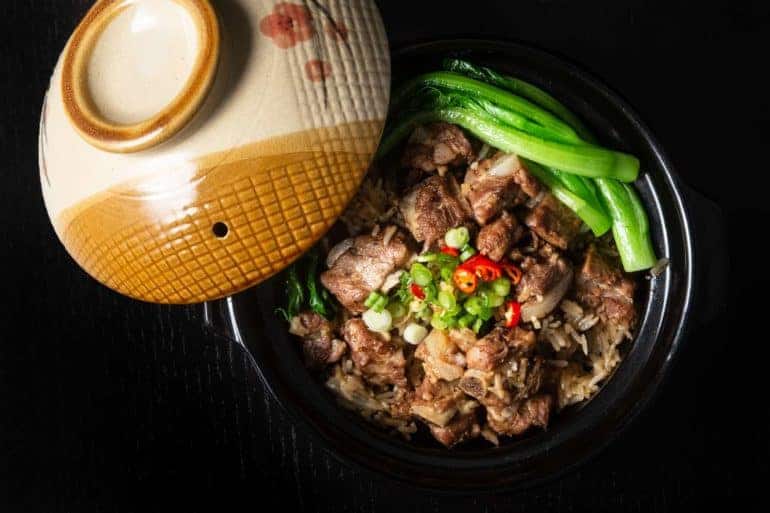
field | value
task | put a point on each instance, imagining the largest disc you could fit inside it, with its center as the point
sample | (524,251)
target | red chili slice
(512,314)
(417,291)
(513,272)
(465,280)
(449,250)
(483,267)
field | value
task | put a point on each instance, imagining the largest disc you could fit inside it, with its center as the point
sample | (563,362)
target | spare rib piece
(496,238)
(380,361)
(432,207)
(520,417)
(436,147)
(364,266)
(351,391)
(459,429)
(601,285)
(553,221)
(543,285)
(497,183)
(437,401)
(502,367)
(440,356)
(318,343)
(489,351)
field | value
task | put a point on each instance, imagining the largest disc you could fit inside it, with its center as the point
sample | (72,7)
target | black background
(112,405)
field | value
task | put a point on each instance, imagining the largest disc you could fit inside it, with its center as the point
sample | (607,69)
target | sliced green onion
(457,237)
(477,325)
(425,313)
(446,260)
(421,274)
(474,305)
(438,323)
(377,321)
(427,257)
(374,298)
(501,286)
(466,320)
(467,252)
(396,309)
(414,333)
(446,300)
(455,310)
(380,304)
(485,313)
(493,300)
(430,292)
(446,273)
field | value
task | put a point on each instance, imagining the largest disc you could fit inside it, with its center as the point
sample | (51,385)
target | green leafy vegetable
(308,293)
(519,87)
(630,227)
(319,298)
(592,214)
(583,160)
(518,117)
(295,294)
(476,89)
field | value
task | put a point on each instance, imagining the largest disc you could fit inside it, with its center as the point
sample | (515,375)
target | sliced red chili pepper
(487,273)
(513,272)
(465,280)
(512,314)
(449,250)
(485,268)
(417,291)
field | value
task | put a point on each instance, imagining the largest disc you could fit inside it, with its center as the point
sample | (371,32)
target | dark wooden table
(107,404)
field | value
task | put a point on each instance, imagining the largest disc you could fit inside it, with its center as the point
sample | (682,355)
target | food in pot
(485,280)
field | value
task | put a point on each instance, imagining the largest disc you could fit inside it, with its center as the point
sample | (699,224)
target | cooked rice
(374,203)
(573,356)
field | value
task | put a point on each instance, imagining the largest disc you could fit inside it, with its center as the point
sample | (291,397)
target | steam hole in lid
(220,230)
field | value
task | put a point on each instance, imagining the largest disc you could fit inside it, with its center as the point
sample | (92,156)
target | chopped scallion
(457,237)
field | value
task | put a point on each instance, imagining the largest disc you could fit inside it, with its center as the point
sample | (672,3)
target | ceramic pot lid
(190,149)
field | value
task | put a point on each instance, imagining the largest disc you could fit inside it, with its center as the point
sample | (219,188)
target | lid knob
(136,71)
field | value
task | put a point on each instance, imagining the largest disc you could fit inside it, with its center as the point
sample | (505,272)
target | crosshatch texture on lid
(199,218)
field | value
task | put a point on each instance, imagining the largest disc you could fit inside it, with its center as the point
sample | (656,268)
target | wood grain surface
(107,404)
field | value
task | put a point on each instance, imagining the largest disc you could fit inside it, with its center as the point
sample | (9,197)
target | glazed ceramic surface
(190,149)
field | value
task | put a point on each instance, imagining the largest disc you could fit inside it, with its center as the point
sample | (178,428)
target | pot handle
(709,232)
